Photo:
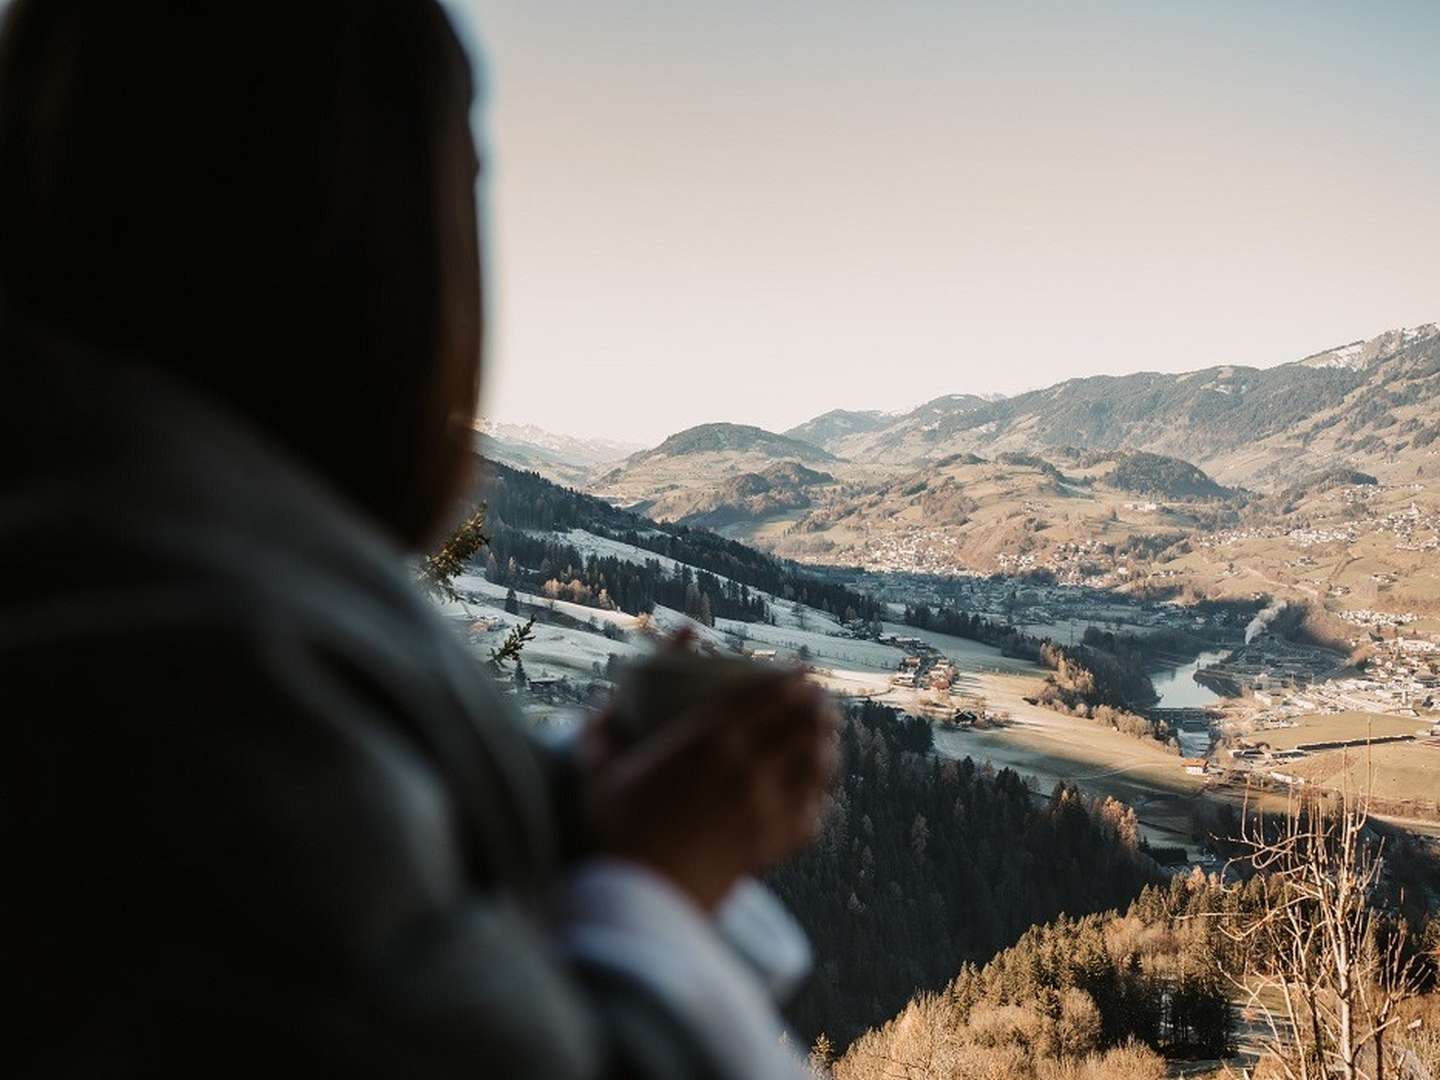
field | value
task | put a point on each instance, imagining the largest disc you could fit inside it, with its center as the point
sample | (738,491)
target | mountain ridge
(1242,424)
(724,437)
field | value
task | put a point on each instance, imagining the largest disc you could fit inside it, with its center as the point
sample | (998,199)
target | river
(1179,690)
(1177,686)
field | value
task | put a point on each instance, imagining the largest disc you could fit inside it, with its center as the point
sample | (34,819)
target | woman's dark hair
(273,201)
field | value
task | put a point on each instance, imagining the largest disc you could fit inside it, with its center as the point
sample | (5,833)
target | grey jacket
(261,811)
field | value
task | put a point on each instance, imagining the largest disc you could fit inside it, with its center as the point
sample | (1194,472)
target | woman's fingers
(723,790)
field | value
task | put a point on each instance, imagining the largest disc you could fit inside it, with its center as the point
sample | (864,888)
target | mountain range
(1363,404)
(1370,405)
(566,459)
(966,480)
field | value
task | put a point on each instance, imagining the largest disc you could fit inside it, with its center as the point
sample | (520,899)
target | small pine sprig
(512,645)
(438,571)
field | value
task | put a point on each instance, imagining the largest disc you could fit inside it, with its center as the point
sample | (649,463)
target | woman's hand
(716,794)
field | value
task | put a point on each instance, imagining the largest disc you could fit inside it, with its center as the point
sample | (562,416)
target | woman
(261,812)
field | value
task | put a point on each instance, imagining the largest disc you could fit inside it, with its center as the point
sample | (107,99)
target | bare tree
(1325,968)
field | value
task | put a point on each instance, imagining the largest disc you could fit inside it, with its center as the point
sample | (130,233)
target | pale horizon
(820,410)
(757,213)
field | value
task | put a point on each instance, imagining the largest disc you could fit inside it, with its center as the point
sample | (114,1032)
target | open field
(1055,746)
(1051,747)
(1333,727)
(967,654)
(1392,771)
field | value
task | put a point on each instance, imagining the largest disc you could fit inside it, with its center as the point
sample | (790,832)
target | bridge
(1191,719)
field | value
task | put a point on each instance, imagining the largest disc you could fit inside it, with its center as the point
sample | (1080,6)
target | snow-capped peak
(1359,355)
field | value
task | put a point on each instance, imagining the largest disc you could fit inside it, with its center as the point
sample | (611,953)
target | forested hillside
(1162,477)
(528,522)
(720,438)
(1120,997)
(1096,996)
(926,865)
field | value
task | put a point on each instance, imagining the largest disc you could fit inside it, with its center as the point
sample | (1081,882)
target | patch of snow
(671,621)
(554,651)
(477,586)
(790,614)
(603,547)
(825,649)
(968,656)
(1359,355)
(1350,357)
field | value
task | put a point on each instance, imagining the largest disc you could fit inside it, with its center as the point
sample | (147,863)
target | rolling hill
(1161,477)
(899,439)
(1096,478)
(734,439)
(826,430)
(750,496)
(714,472)
(1014,513)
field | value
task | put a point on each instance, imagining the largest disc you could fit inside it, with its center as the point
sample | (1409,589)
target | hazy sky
(758,211)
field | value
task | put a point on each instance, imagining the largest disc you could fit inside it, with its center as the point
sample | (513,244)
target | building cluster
(1086,563)
(1379,620)
(915,551)
(1414,529)
(939,551)
(1300,537)
(1272,665)
(1358,495)
(922,668)
(1239,535)
(1402,678)
(1311,537)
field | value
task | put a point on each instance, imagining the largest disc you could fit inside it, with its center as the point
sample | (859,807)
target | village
(938,551)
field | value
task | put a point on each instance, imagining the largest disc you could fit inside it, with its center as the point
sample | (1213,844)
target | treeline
(1104,669)
(926,864)
(949,620)
(1116,668)
(1321,929)
(548,566)
(524,507)
(1106,678)
(1100,995)
(1092,683)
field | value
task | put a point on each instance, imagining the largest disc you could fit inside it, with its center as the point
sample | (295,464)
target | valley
(1059,514)
(1159,684)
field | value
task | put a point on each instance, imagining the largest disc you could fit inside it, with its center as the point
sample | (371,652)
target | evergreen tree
(926,864)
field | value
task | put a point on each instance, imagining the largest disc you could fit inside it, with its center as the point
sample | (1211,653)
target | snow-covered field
(825,649)
(846,664)
(967,655)
(562,651)
(573,652)
(476,585)
(554,651)
(602,547)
